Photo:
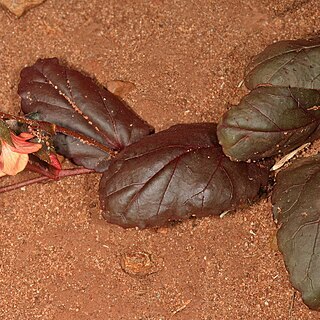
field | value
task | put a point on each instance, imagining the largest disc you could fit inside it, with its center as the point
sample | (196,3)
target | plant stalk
(37,124)
(62,174)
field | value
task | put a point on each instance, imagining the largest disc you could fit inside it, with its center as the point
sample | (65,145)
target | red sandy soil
(59,259)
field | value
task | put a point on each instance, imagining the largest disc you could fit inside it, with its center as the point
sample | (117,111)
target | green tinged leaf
(296,208)
(294,63)
(5,132)
(269,120)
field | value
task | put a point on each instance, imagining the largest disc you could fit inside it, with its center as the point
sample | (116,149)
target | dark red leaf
(296,208)
(289,63)
(175,174)
(68,98)
(269,121)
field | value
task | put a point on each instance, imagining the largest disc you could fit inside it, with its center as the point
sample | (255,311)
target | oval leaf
(296,208)
(173,175)
(68,98)
(294,63)
(269,120)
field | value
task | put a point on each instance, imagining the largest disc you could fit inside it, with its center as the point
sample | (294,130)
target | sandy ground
(59,258)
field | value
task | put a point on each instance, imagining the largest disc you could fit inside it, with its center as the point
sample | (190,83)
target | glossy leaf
(82,154)
(68,98)
(294,63)
(173,175)
(269,120)
(296,208)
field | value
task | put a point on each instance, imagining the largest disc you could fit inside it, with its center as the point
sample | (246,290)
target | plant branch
(44,125)
(62,174)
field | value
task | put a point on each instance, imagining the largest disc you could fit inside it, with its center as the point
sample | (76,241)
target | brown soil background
(58,258)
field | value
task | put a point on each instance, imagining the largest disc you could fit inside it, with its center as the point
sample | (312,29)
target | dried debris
(19,7)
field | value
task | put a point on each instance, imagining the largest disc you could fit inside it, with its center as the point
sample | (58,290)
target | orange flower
(14,156)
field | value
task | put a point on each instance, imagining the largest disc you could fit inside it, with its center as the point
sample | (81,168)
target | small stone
(138,264)
(162,230)
(120,88)
(18,7)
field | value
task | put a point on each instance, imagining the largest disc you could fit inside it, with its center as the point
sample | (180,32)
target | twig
(224,213)
(292,304)
(287,157)
(62,174)
(240,83)
(181,308)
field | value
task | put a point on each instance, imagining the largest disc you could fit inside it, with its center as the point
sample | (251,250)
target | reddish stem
(58,129)
(62,174)
(51,174)
(19,185)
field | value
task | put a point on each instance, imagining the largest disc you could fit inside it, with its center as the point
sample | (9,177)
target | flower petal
(54,161)
(12,162)
(26,135)
(23,146)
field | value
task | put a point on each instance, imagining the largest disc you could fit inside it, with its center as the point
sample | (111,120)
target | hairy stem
(37,124)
